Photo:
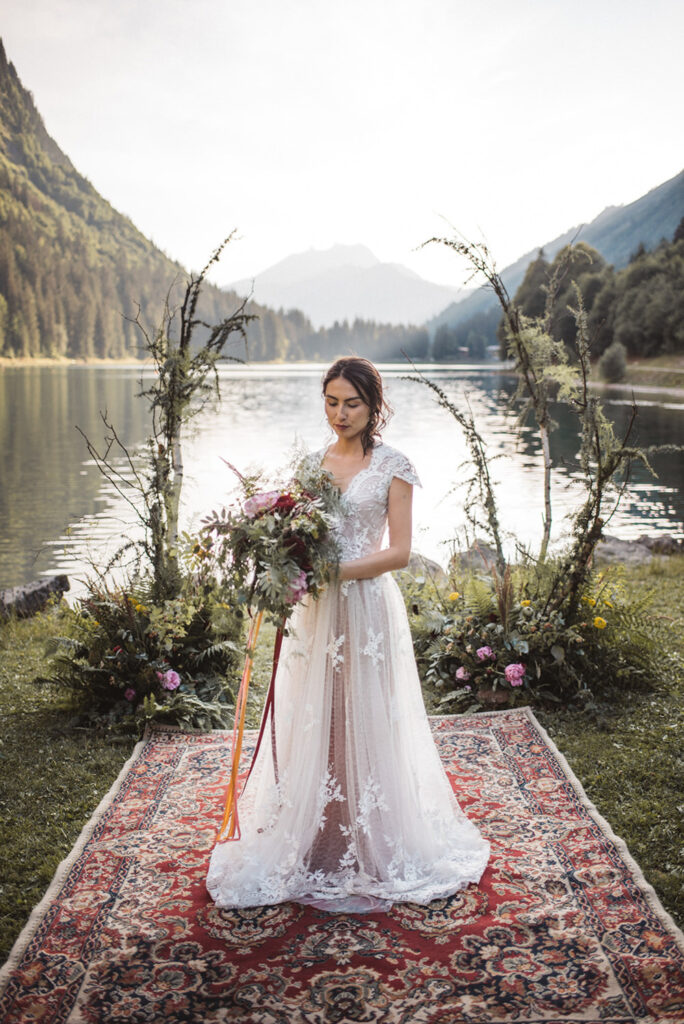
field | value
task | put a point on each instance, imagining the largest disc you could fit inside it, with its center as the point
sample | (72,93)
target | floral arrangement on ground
(129,660)
(482,641)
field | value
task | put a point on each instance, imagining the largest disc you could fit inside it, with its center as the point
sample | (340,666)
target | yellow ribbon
(230,826)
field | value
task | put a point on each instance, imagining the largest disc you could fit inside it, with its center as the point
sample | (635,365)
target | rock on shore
(31,599)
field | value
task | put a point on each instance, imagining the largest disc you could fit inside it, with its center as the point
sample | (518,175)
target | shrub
(613,362)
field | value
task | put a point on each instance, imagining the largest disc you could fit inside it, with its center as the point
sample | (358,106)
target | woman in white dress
(359,813)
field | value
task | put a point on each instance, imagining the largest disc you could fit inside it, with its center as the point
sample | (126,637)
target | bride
(362,814)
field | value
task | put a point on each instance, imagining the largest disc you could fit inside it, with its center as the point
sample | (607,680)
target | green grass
(627,756)
(52,775)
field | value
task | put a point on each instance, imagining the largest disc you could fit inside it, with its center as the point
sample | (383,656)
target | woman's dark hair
(363,376)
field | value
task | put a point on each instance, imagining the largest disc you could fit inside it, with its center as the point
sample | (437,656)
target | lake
(57,513)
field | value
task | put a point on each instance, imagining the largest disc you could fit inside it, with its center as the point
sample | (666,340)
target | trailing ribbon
(230,826)
(269,709)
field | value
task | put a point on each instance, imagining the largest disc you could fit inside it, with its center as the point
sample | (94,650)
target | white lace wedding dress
(362,814)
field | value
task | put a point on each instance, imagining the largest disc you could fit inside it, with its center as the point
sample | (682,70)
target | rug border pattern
(39,912)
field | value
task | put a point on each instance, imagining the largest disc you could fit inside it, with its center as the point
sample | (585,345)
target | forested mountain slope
(72,269)
(617,234)
(70,265)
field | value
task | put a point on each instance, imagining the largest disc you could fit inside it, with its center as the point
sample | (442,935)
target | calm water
(58,514)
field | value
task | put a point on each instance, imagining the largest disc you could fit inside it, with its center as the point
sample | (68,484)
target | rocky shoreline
(610,550)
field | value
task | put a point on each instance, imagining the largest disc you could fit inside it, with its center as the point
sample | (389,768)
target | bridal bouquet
(277,546)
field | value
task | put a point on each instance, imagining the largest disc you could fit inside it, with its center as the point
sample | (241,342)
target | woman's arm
(396,556)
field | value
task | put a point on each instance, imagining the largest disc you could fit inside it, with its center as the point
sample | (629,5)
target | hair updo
(364,377)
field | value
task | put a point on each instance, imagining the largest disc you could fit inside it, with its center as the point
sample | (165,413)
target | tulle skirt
(349,809)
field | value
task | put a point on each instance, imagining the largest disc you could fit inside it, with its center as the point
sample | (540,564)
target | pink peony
(514,674)
(462,673)
(484,652)
(170,680)
(260,503)
(130,693)
(298,588)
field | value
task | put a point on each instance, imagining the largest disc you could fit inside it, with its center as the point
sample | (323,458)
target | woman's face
(347,412)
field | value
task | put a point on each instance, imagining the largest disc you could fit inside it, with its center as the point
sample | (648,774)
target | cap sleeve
(400,466)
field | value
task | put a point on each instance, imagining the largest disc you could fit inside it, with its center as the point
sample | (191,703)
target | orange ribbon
(230,826)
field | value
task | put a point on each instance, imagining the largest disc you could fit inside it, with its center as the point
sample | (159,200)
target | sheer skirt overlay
(352,800)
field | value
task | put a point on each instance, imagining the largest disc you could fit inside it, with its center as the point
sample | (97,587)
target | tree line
(75,273)
(640,306)
(70,289)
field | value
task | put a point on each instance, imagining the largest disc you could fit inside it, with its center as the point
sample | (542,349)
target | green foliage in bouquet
(130,661)
(276,547)
(485,644)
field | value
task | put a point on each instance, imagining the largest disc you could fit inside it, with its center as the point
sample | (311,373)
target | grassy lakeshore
(663,375)
(6,363)
(627,756)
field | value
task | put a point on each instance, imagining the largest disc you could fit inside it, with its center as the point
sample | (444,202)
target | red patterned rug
(562,928)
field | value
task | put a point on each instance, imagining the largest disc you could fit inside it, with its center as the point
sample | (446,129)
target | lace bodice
(363,519)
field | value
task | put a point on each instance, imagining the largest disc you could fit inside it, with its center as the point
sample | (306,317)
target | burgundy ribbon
(269,711)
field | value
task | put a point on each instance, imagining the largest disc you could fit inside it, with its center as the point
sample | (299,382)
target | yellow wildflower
(590,601)
(608,604)
(454,595)
(600,623)
(525,604)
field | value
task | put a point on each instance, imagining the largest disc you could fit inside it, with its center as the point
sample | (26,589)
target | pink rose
(130,693)
(514,674)
(260,503)
(170,680)
(298,588)
(484,652)
(462,673)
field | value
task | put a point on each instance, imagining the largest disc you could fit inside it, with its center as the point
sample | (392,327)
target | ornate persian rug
(562,928)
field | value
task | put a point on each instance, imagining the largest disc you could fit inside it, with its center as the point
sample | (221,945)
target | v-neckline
(360,472)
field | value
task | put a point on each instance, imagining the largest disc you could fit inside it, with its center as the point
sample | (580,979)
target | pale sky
(310,122)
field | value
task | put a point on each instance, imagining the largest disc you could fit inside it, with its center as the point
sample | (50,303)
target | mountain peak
(303,265)
(347,282)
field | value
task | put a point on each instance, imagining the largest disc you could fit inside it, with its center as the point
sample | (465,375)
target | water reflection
(57,511)
(47,482)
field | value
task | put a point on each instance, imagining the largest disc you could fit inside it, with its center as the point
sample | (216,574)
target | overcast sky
(304,123)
